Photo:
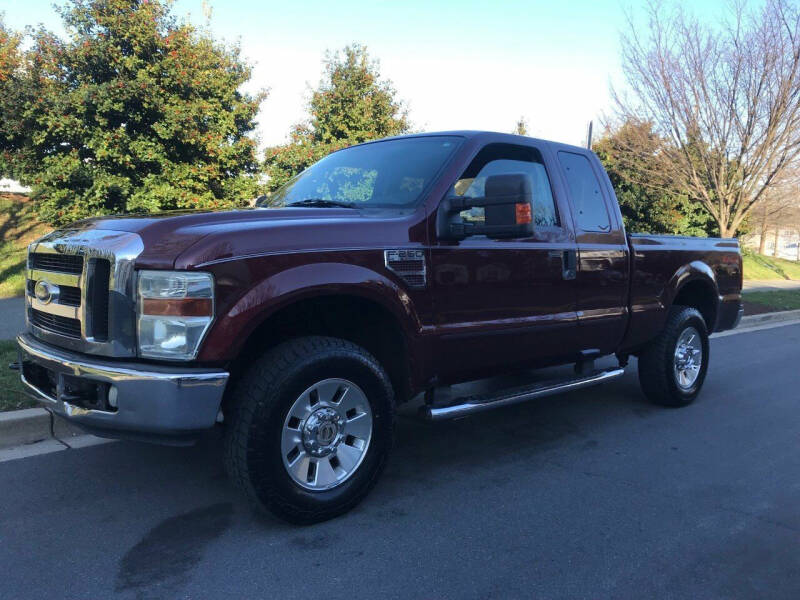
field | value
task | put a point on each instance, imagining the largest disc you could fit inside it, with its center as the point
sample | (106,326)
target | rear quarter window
(584,189)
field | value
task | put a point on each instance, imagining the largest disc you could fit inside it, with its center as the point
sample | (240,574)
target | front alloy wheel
(326,434)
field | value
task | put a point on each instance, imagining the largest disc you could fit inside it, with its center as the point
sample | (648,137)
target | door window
(584,189)
(501,159)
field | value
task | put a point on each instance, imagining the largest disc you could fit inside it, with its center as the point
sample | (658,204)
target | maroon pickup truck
(383,271)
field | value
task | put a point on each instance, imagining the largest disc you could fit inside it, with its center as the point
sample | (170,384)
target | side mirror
(508,210)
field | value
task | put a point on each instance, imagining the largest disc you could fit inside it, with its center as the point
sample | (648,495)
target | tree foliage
(521,128)
(634,157)
(136,112)
(12,101)
(726,96)
(352,104)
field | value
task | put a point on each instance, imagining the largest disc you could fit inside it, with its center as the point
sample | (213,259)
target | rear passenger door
(603,262)
(504,302)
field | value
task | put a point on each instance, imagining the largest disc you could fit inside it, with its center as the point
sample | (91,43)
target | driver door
(505,303)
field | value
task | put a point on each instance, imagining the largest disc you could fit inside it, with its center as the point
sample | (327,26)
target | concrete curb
(761,322)
(773,317)
(27,426)
(31,425)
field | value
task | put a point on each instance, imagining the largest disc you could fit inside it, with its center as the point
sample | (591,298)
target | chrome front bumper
(149,401)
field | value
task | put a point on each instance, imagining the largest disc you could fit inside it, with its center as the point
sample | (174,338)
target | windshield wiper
(322,203)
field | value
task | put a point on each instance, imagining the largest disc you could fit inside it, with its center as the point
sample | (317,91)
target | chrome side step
(479,403)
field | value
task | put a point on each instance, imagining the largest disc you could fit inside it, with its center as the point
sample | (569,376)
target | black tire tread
(254,390)
(655,361)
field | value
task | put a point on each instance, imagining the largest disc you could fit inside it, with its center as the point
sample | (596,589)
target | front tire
(672,368)
(310,429)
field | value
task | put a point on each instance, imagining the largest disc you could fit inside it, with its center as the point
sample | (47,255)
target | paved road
(596,494)
(12,317)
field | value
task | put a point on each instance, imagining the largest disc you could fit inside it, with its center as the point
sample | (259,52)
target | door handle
(569,264)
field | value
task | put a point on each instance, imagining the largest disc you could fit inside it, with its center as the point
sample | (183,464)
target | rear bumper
(155,403)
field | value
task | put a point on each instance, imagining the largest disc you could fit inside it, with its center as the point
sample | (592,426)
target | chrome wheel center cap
(322,432)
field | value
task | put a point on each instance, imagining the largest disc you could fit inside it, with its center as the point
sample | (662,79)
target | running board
(481,402)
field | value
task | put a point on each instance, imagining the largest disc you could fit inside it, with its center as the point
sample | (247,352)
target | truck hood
(188,239)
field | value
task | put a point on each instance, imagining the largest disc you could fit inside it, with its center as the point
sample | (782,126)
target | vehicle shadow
(428,454)
(426,451)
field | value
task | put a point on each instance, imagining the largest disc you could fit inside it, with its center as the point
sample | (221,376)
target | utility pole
(589,137)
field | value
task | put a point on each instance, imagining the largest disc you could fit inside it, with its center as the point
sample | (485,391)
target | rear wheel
(311,428)
(672,368)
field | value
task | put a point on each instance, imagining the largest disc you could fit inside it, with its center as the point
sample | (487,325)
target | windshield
(390,174)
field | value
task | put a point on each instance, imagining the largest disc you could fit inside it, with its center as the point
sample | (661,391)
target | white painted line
(29,450)
(756,328)
(52,445)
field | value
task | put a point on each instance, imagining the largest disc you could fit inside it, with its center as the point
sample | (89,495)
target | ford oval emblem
(45,291)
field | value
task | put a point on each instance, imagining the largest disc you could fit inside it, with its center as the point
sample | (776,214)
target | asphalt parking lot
(594,494)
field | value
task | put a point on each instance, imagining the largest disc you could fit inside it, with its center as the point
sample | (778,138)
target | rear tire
(285,416)
(672,368)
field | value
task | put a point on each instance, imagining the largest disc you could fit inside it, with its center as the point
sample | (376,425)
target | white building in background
(9,186)
(788,243)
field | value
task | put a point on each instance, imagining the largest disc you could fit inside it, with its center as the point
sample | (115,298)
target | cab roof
(487,137)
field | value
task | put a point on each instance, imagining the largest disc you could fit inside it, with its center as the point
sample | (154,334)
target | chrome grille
(57,324)
(59,263)
(84,281)
(68,295)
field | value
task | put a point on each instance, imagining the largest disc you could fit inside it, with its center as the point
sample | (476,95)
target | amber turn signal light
(177,307)
(524,213)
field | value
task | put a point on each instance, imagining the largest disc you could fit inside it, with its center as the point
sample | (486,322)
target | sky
(456,65)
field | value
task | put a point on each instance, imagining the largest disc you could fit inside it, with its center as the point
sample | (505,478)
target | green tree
(137,112)
(352,104)
(634,157)
(12,101)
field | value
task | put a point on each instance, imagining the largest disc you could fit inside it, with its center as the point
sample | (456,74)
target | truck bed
(663,264)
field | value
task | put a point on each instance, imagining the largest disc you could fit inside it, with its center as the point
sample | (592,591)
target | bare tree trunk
(726,95)
(762,242)
(777,235)
(726,231)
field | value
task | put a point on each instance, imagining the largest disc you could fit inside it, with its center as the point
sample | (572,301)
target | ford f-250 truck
(383,271)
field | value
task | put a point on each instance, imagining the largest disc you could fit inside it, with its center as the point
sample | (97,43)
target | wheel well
(700,295)
(352,318)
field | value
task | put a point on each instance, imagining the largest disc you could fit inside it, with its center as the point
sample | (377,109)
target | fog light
(112,397)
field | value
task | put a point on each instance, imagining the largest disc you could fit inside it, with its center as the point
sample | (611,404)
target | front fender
(232,328)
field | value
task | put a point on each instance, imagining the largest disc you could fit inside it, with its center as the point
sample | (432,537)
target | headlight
(174,311)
